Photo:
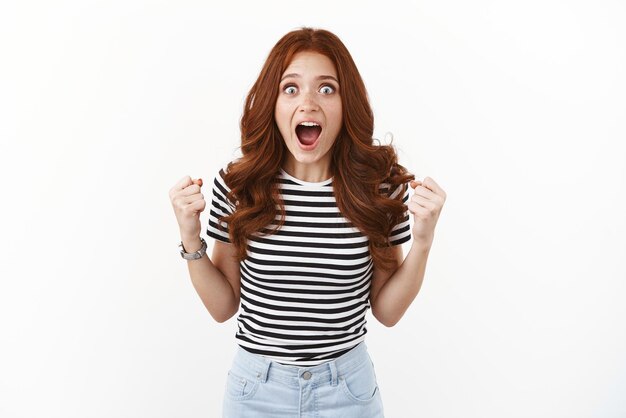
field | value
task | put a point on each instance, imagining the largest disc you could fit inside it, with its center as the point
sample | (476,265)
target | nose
(309,102)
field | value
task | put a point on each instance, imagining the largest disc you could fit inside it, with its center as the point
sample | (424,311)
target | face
(309,95)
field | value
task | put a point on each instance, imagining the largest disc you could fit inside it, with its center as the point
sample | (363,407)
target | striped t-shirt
(305,288)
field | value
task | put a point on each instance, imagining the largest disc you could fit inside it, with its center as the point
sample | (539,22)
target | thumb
(415,183)
(198,182)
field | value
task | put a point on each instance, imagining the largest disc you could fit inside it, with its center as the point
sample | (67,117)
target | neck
(312,173)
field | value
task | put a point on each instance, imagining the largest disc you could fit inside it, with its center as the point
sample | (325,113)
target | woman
(307,226)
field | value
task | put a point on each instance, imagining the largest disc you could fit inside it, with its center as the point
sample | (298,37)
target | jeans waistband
(265,368)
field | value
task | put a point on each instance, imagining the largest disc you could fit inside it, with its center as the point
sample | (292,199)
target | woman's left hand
(425,204)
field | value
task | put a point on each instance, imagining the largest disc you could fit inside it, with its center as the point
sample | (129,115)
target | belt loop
(262,374)
(333,373)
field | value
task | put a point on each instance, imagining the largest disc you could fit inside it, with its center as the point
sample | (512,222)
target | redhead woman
(307,225)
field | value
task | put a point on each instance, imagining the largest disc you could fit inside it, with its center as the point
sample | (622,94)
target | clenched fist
(188,202)
(425,204)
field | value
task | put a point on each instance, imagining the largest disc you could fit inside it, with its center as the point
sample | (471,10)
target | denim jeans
(257,387)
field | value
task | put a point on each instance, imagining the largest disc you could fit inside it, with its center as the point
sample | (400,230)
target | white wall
(515,108)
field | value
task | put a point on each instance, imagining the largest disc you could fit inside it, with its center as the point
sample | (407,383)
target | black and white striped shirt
(305,288)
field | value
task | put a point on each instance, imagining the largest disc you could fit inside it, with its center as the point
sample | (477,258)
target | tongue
(308,134)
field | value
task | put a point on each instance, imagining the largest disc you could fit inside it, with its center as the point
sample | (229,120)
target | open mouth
(308,132)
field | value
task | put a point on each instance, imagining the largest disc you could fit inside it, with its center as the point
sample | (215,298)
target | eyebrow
(322,77)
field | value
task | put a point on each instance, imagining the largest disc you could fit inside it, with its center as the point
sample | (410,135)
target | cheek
(283,121)
(337,117)
(336,110)
(281,112)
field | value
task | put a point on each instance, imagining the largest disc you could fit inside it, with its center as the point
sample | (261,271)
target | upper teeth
(309,124)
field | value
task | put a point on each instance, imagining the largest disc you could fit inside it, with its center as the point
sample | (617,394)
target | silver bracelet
(193,256)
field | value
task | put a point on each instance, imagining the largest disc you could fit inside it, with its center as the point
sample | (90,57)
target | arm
(392,292)
(217,282)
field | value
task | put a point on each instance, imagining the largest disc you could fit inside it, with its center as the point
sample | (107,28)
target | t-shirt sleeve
(220,206)
(401,233)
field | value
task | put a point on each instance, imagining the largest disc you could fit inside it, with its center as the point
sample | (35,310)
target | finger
(415,183)
(179,186)
(417,209)
(426,204)
(182,183)
(192,198)
(198,205)
(424,192)
(432,185)
(188,207)
(190,190)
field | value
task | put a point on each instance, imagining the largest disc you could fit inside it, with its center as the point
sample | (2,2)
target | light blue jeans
(257,387)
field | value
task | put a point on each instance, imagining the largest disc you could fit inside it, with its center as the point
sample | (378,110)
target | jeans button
(306,375)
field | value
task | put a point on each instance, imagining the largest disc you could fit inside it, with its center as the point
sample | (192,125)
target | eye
(327,89)
(290,89)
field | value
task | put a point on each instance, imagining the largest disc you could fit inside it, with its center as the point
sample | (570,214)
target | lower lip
(308,147)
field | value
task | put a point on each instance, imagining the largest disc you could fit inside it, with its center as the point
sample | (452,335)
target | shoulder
(224,169)
(221,188)
(220,177)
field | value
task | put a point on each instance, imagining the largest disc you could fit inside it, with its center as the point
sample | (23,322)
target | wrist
(422,246)
(187,249)
(191,244)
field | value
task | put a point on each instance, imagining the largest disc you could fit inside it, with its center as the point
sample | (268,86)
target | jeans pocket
(360,384)
(240,387)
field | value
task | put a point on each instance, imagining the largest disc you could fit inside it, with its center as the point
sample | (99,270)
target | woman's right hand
(188,202)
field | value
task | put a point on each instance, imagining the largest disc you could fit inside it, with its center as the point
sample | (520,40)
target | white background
(516,108)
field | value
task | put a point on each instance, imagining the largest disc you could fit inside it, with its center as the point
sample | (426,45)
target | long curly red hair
(358,166)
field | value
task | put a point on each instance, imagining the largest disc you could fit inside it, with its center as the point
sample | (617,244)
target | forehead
(311,62)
